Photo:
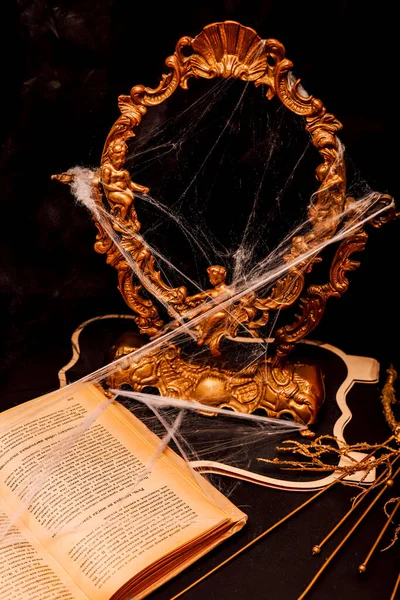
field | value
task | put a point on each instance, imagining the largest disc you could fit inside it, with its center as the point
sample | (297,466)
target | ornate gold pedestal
(294,390)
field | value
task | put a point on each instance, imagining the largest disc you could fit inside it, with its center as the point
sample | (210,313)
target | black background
(63,66)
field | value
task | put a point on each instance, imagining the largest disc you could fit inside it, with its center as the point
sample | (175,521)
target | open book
(81,514)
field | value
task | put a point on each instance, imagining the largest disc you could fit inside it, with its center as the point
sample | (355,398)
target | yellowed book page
(27,571)
(86,495)
(194,479)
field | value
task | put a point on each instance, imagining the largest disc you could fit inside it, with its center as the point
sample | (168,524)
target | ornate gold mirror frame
(228,50)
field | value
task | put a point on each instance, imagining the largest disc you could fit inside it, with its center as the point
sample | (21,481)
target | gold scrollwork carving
(296,390)
(228,50)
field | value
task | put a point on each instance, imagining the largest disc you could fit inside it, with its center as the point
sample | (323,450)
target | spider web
(231,178)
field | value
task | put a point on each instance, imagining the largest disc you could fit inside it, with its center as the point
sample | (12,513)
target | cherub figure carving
(117,182)
(225,321)
(219,291)
(217,277)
